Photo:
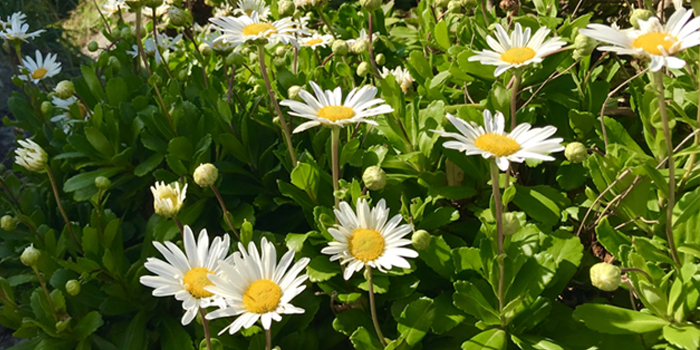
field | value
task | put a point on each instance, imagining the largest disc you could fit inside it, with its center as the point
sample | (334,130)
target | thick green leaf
(415,320)
(492,339)
(148,165)
(438,257)
(442,36)
(88,325)
(447,316)
(174,336)
(541,203)
(322,269)
(363,340)
(615,320)
(117,91)
(99,141)
(610,238)
(686,336)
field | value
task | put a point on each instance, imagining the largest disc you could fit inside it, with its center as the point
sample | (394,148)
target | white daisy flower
(212,41)
(16,30)
(239,30)
(328,109)
(369,239)
(41,68)
(247,7)
(255,287)
(491,141)
(362,42)
(224,10)
(302,3)
(64,118)
(168,199)
(402,76)
(186,275)
(162,50)
(21,17)
(31,156)
(113,6)
(518,50)
(160,10)
(316,40)
(654,41)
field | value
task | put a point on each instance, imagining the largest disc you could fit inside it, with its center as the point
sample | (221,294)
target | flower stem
(179,226)
(658,79)
(513,111)
(139,44)
(369,48)
(60,208)
(46,291)
(632,269)
(205,325)
(273,100)
(373,308)
(268,339)
(499,231)
(335,140)
(107,26)
(325,21)
(223,207)
(155,40)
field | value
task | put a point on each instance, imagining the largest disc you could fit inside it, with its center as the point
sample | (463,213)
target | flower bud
(92,46)
(102,183)
(46,107)
(285,8)
(380,59)
(114,63)
(363,69)
(127,34)
(31,156)
(340,48)
(605,277)
(30,256)
(293,92)
(235,59)
(279,62)
(280,50)
(206,174)
(154,80)
(374,178)
(178,17)
(73,287)
(576,152)
(454,6)
(359,46)
(469,4)
(639,14)
(441,3)
(8,223)
(168,199)
(420,239)
(62,324)
(205,49)
(371,5)
(276,121)
(511,224)
(152,3)
(65,89)
(583,46)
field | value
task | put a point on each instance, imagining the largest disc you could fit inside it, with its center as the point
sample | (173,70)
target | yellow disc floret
(313,42)
(195,280)
(499,145)
(258,28)
(39,73)
(366,245)
(518,55)
(262,296)
(650,43)
(336,113)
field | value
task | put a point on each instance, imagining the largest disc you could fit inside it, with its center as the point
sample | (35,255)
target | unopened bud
(64,89)
(205,49)
(454,6)
(154,80)
(279,62)
(371,5)
(46,107)
(340,48)
(285,8)
(639,15)
(511,224)
(583,46)
(178,17)
(73,287)
(103,183)
(380,59)
(114,63)
(374,178)
(441,3)
(235,59)
(363,69)
(576,152)
(280,50)
(127,34)
(62,324)
(605,277)
(8,223)
(30,256)
(92,46)
(420,239)
(293,92)
(359,46)
(469,4)
(206,174)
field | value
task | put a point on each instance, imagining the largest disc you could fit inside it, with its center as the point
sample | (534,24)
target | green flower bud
(374,178)
(340,48)
(454,6)
(206,174)
(380,59)
(363,69)
(182,75)
(114,63)
(371,5)
(639,14)
(285,8)
(64,89)
(155,80)
(178,17)
(46,107)
(152,3)
(30,256)
(605,277)
(441,3)
(235,59)
(420,239)
(246,232)
(276,121)
(62,325)
(8,223)
(103,183)
(205,49)
(127,34)
(280,50)
(359,46)
(576,152)
(92,46)
(278,62)
(469,4)
(293,92)
(73,287)
(511,224)
(583,46)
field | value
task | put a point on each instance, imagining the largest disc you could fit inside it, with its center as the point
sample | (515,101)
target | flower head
(367,238)
(328,108)
(606,277)
(518,49)
(41,68)
(247,7)
(239,30)
(185,275)
(360,44)
(160,48)
(16,30)
(316,40)
(113,6)
(491,141)
(31,156)
(212,40)
(255,287)
(654,41)
(402,76)
(168,199)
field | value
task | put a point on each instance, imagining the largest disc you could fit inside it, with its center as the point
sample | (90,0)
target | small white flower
(239,30)
(247,7)
(402,76)
(160,10)
(302,3)
(168,199)
(518,50)
(255,287)
(64,118)
(316,40)
(654,41)
(369,239)
(212,40)
(113,6)
(360,44)
(41,68)
(224,10)
(162,50)
(31,156)
(185,275)
(491,141)
(328,108)
(134,52)
(16,30)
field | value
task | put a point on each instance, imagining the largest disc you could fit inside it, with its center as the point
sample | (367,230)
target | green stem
(179,226)
(335,140)
(205,325)
(139,44)
(499,231)
(268,339)
(513,111)
(223,207)
(155,41)
(372,306)
(60,208)
(46,291)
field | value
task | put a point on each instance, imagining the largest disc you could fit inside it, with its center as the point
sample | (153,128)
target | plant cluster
(304,176)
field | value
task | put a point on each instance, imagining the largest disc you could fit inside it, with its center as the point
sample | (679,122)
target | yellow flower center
(262,296)
(39,73)
(195,280)
(500,145)
(248,12)
(518,55)
(335,113)
(257,28)
(650,43)
(169,195)
(314,41)
(366,245)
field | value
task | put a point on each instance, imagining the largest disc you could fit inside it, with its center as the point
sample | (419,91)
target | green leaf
(466,258)
(174,336)
(469,299)
(307,178)
(181,147)
(415,320)
(322,269)
(447,316)
(541,203)
(363,340)
(134,338)
(492,339)
(688,207)
(442,35)
(148,165)
(99,141)
(615,320)
(92,81)
(117,91)
(685,336)
(83,180)
(88,325)
(610,238)
(438,257)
